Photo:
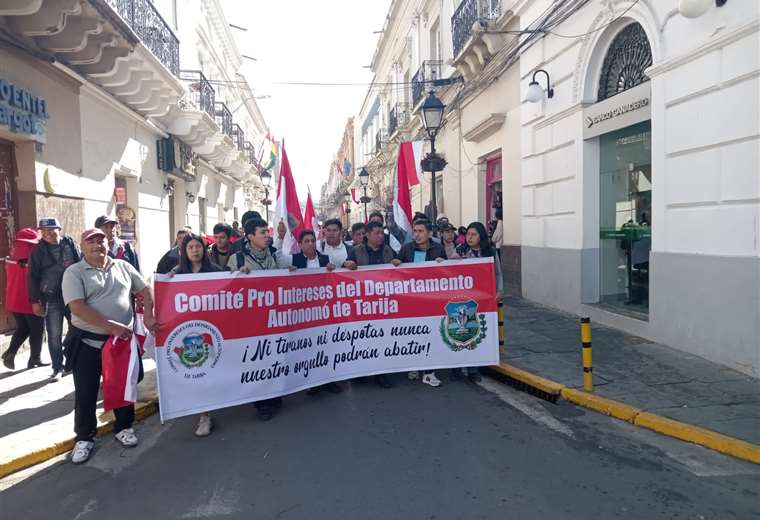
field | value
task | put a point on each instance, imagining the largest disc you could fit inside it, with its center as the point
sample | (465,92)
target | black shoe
(276,402)
(8,362)
(475,377)
(264,413)
(456,374)
(383,381)
(333,388)
(34,363)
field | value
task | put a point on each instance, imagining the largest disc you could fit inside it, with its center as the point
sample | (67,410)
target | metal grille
(427,73)
(238,136)
(201,93)
(224,118)
(469,12)
(627,58)
(250,152)
(154,32)
(399,116)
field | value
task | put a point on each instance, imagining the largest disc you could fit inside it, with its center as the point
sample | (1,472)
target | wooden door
(7,221)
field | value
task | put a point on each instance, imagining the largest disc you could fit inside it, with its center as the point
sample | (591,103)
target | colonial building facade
(124,107)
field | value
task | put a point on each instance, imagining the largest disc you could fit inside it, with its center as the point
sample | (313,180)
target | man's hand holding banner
(228,339)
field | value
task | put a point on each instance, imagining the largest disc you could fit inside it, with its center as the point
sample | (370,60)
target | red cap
(89,233)
(28,235)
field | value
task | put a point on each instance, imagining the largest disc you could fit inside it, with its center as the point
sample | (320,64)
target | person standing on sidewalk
(49,259)
(193,259)
(28,324)
(374,252)
(256,256)
(423,249)
(99,291)
(220,251)
(117,248)
(478,245)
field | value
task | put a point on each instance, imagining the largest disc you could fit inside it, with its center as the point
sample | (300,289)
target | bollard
(588,367)
(501,328)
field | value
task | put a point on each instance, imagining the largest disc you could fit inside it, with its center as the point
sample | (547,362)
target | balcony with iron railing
(238,137)
(223,118)
(381,137)
(465,16)
(250,152)
(145,20)
(429,71)
(201,94)
(398,117)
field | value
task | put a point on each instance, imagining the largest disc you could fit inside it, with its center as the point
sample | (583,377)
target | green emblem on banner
(462,327)
(194,350)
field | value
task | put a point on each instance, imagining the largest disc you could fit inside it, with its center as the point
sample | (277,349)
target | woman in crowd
(193,259)
(478,245)
(28,324)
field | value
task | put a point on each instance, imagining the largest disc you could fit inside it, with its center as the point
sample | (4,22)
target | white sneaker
(204,426)
(127,437)
(430,379)
(82,451)
(413,376)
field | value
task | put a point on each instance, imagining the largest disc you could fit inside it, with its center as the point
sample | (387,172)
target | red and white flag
(287,207)
(401,229)
(121,369)
(412,153)
(309,216)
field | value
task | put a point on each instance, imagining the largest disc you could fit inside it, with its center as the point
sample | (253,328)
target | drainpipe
(459,162)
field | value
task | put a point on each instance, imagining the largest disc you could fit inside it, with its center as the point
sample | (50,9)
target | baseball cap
(89,233)
(28,235)
(49,222)
(105,219)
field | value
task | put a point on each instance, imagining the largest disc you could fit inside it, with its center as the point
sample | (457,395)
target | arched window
(627,58)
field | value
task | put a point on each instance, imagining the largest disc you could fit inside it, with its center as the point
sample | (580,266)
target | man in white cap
(99,291)
(47,262)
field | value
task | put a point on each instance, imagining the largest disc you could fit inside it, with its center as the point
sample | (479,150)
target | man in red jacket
(28,324)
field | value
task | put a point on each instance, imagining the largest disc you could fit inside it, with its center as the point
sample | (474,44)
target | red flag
(120,365)
(401,230)
(353,196)
(309,217)
(288,209)
(411,153)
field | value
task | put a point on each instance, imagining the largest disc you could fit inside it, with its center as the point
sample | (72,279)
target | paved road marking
(528,405)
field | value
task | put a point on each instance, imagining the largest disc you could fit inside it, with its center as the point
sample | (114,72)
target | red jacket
(16,292)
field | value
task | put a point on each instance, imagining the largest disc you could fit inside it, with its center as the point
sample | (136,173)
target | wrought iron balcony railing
(201,93)
(147,23)
(250,152)
(398,117)
(381,137)
(429,71)
(223,118)
(238,137)
(469,12)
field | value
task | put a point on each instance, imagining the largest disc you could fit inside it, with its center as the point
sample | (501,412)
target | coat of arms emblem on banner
(462,327)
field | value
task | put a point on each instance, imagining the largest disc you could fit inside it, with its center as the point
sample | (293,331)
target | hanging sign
(23,112)
(625,109)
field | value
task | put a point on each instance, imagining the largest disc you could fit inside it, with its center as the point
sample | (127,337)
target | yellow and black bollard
(588,367)
(501,328)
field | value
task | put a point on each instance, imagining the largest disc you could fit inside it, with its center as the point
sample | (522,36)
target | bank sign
(625,109)
(23,112)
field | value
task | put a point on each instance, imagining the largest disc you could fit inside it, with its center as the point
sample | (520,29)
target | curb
(686,432)
(142,411)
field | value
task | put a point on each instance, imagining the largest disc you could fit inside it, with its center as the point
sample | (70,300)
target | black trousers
(86,372)
(27,326)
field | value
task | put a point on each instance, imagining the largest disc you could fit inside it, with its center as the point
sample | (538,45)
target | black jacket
(300,260)
(169,261)
(406,254)
(45,273)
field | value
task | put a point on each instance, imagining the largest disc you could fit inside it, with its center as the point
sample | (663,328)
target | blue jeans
(56,312)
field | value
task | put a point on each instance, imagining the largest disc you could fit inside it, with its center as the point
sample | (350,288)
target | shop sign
(620,111)
(23,112)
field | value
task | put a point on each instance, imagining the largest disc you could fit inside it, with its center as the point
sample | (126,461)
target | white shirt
(338,254)
(285,261)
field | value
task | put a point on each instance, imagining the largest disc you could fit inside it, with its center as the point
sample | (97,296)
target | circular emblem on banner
(463,328)
(192,346)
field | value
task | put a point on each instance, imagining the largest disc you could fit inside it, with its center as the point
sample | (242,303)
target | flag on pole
(401,228)
(309,216)
(347,168)
(287,208)
(272,159)
(353,196)
(412,153)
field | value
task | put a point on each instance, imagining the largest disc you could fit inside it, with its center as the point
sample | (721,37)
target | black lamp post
(266,179)
(364,181)
(432,119)
(347,206)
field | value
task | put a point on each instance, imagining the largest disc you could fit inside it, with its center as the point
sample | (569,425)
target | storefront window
(626,217)
(493,189)
(124,213)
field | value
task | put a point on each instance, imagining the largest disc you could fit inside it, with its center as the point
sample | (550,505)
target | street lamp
(266,180)
(696,8)
(432,119)
(535,92)
(364,181)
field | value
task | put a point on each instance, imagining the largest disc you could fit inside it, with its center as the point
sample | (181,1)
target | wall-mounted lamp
(169,188)
(535,92)
(190,197)
(696,8)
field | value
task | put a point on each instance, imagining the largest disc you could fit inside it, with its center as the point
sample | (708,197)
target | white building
(124,110)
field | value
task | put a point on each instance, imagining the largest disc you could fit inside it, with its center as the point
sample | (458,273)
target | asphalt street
(460,451)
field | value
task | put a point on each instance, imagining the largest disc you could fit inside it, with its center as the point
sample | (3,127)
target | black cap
(103,220)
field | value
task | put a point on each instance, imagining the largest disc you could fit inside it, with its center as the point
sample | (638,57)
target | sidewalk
(37,416)
(634,371)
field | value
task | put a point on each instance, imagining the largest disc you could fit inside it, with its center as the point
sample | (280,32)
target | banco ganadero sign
(625,109)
